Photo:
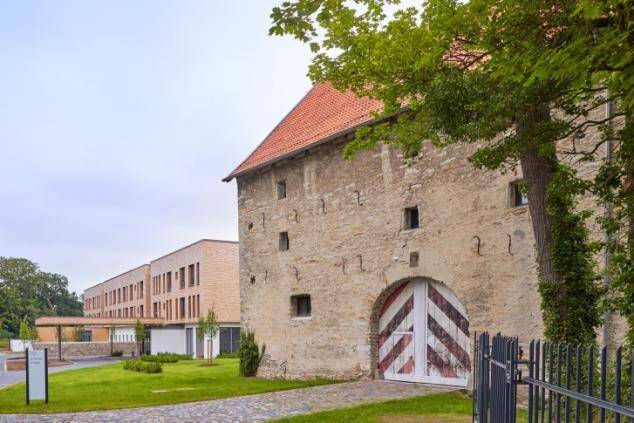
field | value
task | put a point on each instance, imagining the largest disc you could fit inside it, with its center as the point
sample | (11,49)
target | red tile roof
(324,112)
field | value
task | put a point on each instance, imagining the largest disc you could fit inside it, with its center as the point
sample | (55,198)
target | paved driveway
(9,378)
(253,408)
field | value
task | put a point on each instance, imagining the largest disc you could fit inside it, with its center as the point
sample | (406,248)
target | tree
(139,335)
(492,73)
(112,330)
(27,332)
(27,291)
(208,327)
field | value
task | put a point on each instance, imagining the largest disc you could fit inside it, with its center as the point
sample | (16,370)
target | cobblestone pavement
(253,408)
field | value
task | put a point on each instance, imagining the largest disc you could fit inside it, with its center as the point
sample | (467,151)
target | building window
(300,305)
(197,273)
(411,218)
(517,194)
(169,281)
(281,190)
(181,276)
(192,275)
(284,244)
(229,339)
(182,307)
(140,290)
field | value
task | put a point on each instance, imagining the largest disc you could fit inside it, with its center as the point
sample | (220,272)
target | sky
(118,120)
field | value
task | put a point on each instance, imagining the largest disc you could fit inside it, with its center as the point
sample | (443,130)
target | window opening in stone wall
(284,243)
(411,218)
(300,305)
(517,193)
(281,190)
(181,276)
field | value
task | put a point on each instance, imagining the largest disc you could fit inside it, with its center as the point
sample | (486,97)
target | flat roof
(191,245)
(96,321)
(163,256)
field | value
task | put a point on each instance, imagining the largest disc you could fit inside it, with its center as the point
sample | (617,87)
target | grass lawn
(109,387)
(4,343)
(447,407)
(438,408)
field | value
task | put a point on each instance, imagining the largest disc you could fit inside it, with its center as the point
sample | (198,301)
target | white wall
(124,334)
(18,345)
(168,340)
(172,339)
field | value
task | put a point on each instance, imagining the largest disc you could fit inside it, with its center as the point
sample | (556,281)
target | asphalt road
(9,378)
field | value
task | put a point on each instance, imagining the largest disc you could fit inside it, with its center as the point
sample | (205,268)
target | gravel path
(253,408)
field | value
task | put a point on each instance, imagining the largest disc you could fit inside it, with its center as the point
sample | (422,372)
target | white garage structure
(182,339)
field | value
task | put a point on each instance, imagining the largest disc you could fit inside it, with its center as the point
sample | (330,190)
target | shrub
(159,359)
(140,366)
(152,368)
(131,365)
(117,353)
(235,354)
(178,356)
(250,356)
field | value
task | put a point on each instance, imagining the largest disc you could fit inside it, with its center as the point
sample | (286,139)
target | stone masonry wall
(85,349)
(348,247)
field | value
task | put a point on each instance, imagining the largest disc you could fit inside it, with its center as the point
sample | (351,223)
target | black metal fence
(564,383)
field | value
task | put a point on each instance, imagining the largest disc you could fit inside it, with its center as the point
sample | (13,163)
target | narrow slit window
(300,306)
(412,220)
(518,194)
(281,190)
(284,243)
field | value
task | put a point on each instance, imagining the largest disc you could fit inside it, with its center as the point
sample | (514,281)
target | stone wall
(348,247)
(85,349)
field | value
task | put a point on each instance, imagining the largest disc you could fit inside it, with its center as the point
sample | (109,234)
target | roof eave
(301,150)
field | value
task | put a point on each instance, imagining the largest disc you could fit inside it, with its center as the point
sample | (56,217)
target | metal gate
(564,382)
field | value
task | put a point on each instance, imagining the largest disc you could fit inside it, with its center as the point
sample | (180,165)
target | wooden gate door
(424,335)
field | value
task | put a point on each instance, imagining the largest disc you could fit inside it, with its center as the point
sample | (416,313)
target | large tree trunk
(538,167)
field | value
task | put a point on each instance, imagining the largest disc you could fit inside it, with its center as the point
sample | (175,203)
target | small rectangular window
(181,277)
(518,194)
(281,190)
(300,305)
(284,244)
(192,275)
(411,218)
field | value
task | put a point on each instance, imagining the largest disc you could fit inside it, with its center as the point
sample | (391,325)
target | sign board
(36,375)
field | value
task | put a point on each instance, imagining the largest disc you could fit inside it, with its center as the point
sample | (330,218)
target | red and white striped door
(424,335)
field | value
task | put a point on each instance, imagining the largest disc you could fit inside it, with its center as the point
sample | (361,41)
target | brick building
(178,287)
(376,267)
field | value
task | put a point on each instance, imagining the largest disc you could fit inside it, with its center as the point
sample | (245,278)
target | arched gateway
(424,335)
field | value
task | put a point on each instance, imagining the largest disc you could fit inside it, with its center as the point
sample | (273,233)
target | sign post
(36,375)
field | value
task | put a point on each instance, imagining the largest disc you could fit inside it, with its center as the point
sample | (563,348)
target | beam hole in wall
(250,226)
(412,220)
(252,280)
(413,259)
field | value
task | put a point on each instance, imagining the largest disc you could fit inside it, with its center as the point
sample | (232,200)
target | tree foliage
(208,327)
(26,291)
(250,354)
(27,332)
(526,80)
